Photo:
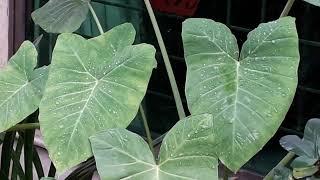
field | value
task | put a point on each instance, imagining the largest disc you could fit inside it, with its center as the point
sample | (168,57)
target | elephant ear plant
(248,96)
(307,149)
(94,88)
(93,84)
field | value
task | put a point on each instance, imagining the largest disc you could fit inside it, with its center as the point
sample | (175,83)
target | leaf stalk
(166,60)
(96,19)
(25,126)
(146,127)
(287,8)
(283,162)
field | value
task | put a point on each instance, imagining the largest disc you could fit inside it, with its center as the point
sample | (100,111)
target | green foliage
(313,2)
(248,95)
(60,16)
(93,85)
(282,173)
(187,152)
(307,149)
(21,86)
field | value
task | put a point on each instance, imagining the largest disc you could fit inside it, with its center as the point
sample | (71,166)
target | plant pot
(178,7)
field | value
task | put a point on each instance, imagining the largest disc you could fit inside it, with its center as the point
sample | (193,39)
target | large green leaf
(59,16)
(187,152)
(314,2)
(249,95)
(93,85)
(21,86)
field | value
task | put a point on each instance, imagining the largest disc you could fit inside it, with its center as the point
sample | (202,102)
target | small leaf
(93,85)
(21,86)
(312,134)
(282,173)
(59,16)
(187,152)
(313,2)
(298,146)
(303,161)
(249,95)
(304,172)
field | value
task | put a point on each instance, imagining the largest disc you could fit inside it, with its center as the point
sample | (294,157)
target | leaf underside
(247,94)
(187,152)
(21,86)
(61,16)
(93,85)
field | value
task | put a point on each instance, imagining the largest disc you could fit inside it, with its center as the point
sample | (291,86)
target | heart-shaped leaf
(187,152)
(298,146)
(59,16)
(93,85)
(249,95)
(303,161)
(313,2)
(21,86)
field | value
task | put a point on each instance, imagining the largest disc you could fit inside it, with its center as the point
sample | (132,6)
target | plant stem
(225,173)
(287,8)
(28,148)
(24,126)
(283,162)
(96,19)
(166,60)
(146,127)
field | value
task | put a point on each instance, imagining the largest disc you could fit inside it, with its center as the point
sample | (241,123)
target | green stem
(96,19)
(24,126)
(166,60)
(287,8)
(146,127)
(283,162)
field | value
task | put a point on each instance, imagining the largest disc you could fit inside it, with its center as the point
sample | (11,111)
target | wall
(4,34)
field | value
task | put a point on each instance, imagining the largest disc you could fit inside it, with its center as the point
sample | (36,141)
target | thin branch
(166,60)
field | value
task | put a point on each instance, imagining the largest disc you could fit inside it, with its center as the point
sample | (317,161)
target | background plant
(307,150)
